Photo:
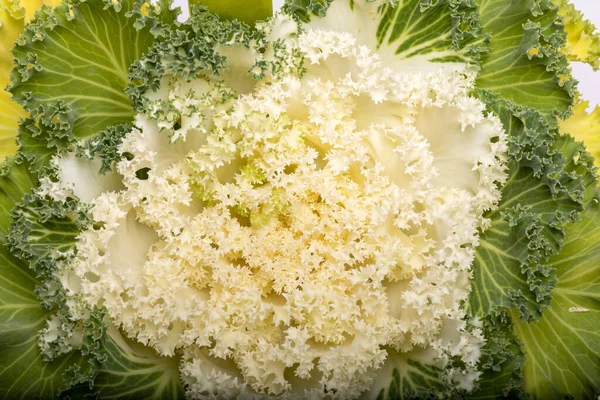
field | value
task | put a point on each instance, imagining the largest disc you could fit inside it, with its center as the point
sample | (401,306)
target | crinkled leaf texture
(563,347)
(104,363)
(585,127)
(512,270)
(23,372)
(583,42)
(72,68)
(131,371)
(525,80)
(12,20)
(547,188)
(524,64)
(415,35)
(502,361)
(527,84)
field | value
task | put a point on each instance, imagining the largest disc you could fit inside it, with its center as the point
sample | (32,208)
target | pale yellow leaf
(583,42)
(13,17)
(584,126)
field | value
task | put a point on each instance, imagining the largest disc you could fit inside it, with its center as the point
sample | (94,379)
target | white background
(589,80)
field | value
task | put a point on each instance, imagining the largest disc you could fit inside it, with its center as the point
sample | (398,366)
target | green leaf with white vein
(23,373)
(563,347)
(15,181)
(405,378)
(524,64)
(132,371)
(118,367)
(501,361)
(76,59)
(407,34)
(550,181)
(40,229)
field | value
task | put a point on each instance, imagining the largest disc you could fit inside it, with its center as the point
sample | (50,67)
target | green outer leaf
(538,78)
(23,373)
(40,229)
(501,361)
(133,371)
(105,147)
(15,182)
(248,11)
(563,347)
(552,179)
(76,59)
(44,132)
(406,378)
(411,33)
(118,368)
(549,182)
(451,33)
(190,52)
(130,370)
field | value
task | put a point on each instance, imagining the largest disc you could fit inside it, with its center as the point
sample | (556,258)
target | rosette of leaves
(82,71)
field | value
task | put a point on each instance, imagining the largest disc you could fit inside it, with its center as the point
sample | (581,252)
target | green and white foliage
(412,35)
(350,199)
(563,347)
(328,161)
(524,64)
(71,69)
(549,175)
